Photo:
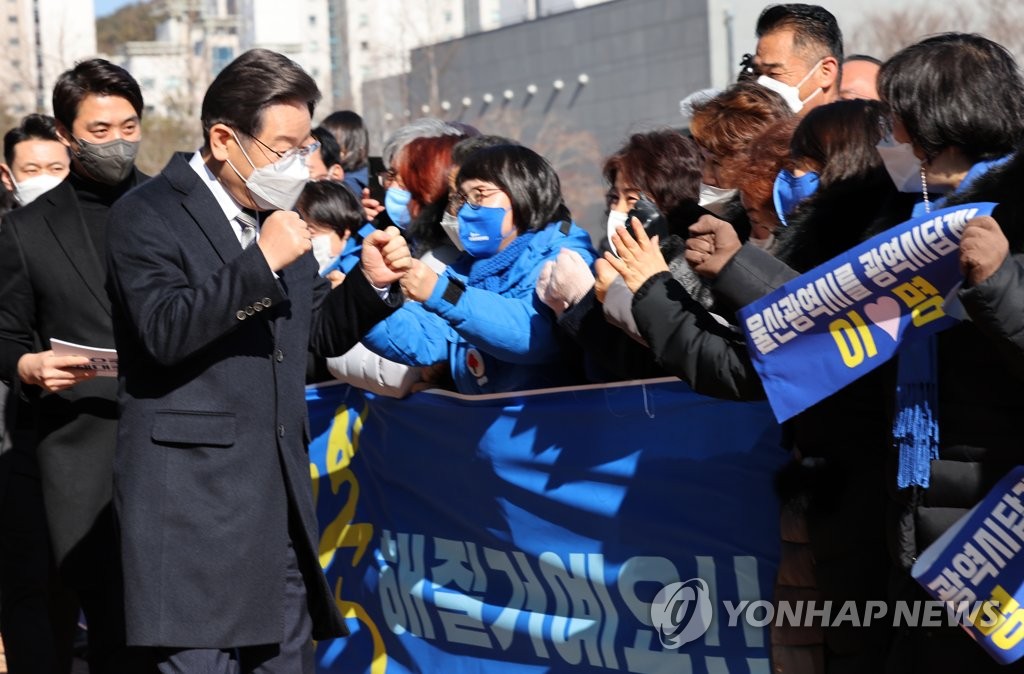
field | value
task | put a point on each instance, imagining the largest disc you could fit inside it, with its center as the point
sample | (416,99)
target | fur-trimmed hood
(835,219)
(1003,185)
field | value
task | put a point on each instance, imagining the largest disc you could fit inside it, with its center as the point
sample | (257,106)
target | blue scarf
(493,273)
(916,428)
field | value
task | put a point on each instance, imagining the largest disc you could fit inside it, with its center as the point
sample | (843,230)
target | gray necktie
(247,220)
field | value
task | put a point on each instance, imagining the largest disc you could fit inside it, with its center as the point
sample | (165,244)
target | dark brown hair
(332,205)
(352,137)
(664,165)
(815,29)
(252,82)
(95,76)
(956,90)
(840,138)
(526,177)
(32,127)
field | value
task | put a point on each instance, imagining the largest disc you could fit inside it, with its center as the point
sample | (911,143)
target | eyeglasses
(455,201)
(477,196)
(301,152)
(386,178)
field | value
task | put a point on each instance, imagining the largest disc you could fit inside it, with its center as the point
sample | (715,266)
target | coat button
(249,311)
(278,355)
(280,430)
(240,315)
(257,306)
(265,301)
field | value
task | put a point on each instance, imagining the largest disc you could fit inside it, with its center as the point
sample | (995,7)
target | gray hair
(424,127)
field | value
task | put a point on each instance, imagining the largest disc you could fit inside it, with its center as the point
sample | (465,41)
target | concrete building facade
(41,39)
(572,85)
(199,37)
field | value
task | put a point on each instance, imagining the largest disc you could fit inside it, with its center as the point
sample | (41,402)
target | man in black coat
(213,318)
(52,271)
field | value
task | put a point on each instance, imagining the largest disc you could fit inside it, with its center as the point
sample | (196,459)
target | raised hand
(711,245)
(284,238)
(639,258)
(606,275)
(418,283)
(541,288)
(385,257)
(371,207)
(982,249)
(568,280)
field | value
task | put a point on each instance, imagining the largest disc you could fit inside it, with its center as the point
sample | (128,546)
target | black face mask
(109,163)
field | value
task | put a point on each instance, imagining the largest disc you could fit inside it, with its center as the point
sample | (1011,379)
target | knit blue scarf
(916,427)
(495,273)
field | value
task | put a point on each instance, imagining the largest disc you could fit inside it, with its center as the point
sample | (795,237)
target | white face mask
(790,93)
(277,185)
(616,219)
(715,199)
(766,244)
(903,166)
(31,188)
(322,250)
(450,225)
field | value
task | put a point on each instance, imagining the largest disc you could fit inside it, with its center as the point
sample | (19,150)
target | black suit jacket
(212,472)
(52,285)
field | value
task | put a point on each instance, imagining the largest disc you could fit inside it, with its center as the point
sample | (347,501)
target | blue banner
(532,532)
(841,320)
(977,569)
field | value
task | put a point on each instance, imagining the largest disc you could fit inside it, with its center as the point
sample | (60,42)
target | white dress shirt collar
(227,203)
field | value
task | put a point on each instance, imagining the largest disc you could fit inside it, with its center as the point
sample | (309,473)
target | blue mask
(396,203)
(789,191)
(480,229)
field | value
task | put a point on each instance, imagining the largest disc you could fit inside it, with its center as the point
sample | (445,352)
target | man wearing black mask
(52,274)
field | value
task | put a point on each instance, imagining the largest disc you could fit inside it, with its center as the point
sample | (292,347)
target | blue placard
(977,569)
(829,327)
(531,533)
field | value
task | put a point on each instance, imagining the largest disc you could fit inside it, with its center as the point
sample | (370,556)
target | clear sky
(105,7)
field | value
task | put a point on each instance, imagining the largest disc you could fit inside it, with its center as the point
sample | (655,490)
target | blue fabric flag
(976,569)
(829,327)
(532,532)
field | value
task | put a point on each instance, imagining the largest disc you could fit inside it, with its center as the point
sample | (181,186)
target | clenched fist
(284,238)
(982,249)
(418,283)
(711,245)
(385,257)
(564,281)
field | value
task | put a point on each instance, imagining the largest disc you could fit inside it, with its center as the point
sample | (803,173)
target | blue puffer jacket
(485,319)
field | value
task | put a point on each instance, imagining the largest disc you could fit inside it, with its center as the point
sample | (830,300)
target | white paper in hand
(104,361)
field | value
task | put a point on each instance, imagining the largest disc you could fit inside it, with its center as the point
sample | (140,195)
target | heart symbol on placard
(885,313)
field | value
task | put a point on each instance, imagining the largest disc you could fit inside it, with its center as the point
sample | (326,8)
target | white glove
(543,283)
(568,281)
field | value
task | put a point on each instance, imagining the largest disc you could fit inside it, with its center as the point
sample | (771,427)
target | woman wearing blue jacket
(481,315)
